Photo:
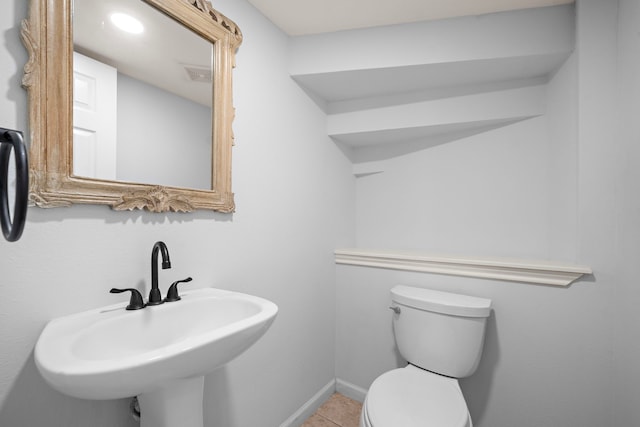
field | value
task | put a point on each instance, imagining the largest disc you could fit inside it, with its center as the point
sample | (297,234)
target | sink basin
(111,353)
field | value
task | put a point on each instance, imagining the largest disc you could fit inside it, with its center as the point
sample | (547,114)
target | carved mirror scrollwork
(48,35)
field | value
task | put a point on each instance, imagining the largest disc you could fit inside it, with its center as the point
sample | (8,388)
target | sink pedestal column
(177,404)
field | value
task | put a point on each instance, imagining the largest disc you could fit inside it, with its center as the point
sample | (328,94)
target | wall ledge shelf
(515,270)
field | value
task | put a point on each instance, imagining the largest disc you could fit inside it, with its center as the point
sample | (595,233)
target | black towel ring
(13,139)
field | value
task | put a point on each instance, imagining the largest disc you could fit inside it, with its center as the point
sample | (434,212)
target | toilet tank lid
(441,302)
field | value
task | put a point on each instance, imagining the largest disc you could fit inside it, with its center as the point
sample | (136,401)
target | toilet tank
(440,331)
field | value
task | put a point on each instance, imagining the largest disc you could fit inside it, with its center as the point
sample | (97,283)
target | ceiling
(301,17)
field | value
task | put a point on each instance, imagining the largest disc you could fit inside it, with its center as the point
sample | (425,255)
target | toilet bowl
(413,397)
(441,335)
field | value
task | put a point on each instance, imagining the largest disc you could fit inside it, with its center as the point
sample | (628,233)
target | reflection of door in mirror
(94,118)
(162,125)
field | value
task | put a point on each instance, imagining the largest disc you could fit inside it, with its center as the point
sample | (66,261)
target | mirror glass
(142,96)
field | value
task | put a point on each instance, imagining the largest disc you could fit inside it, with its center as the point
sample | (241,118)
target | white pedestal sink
(160,353)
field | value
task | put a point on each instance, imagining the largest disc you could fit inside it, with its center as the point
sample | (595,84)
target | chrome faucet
(155,297)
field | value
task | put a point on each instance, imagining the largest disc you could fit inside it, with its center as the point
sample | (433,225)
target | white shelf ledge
(515,270)
(367,168)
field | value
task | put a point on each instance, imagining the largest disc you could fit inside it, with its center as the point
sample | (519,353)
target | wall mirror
(134,119)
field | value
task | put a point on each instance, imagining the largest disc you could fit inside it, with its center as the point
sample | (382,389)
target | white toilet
(441,335)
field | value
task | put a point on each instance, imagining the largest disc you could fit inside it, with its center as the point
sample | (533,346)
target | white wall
(478,195)
(542,188)
(627,291)
(294,196)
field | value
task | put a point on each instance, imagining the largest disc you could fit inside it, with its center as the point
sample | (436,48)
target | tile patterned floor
(338,411)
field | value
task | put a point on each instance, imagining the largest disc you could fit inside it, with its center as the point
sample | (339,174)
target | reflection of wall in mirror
(162,138)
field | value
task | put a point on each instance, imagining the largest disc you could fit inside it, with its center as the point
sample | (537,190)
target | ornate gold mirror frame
(47,35)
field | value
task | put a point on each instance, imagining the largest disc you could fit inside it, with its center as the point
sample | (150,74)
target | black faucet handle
(155,298)
(136,302)
(172,293)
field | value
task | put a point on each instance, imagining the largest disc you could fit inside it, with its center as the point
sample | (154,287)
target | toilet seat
(412,397)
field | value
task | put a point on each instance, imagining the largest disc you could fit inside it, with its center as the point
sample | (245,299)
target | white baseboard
(350,390)
(310,406)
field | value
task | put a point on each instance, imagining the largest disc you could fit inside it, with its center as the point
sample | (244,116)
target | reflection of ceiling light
(127,23)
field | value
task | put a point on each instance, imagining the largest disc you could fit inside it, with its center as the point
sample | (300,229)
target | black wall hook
(13,139)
